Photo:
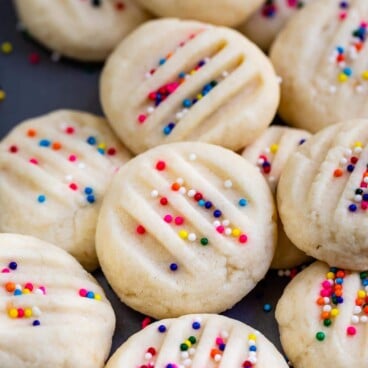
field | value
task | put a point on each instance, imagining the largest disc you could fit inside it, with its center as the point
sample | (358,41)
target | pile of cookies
(184,194)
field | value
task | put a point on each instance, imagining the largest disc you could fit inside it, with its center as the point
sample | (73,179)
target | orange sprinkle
(359,302)
(338,292)
(175,186)
(365,309)
(56,146)
(215,352)
(340,274)
(31,132)
(10,287)
(320,301)
(325,315)
(337,173)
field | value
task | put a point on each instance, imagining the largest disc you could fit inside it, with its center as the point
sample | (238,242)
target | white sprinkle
(55,56)
(179,115)
(192,237)
(192,157)
(332,89)
(150,109)
(343,161)
(185,111)
(358,150)
(326,300)
(82,165)
(355,319)
(279,79)
(39,292)
(216,223)
(198,319)
(271,179)
(357,309)
(253,359)
(18,286)
(228,231)
(267,150)
(226,222)
(180,181)
(63,126)
(148,356)
(364,319)
(217,357)
(251,342)
(154,193)
(260,161)
(184,355)
(366,180)
(182,190)
(36,311)
(347,152)
(327,308)
(68,178)
(187,362)
(192,351)
(191,193)
(224,334)
(225,74)
(358,198)
(280,273)
(228,184)
(287,272)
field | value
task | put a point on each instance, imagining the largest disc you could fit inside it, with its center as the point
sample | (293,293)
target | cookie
(270,153)
(203,83)
(264,24)
(53,313)
(319,79)
(203,340)
(54,171)
(186,228)
(87,30)
(222,12)
(322,318)
(323,196)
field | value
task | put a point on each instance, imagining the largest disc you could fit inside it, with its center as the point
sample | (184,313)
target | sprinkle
(267,308)
(351,331)
(154,193)
(161,328)
(320,336)
(146,321)
(160,165)
(34,58)
(2,94)
(6,47)
(173,266)
(228,184)
(13,149)
(36,323)
(41,198)
(140,230)
(192,157)
(242,202)
(204,241)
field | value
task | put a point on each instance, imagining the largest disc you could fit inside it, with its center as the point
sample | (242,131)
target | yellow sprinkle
(361,294)
(199,96)
(183,234)
(192,72)
(25,291)
(6,47)
(343,77)
(274,147)
(365,75)
(2,95)
(102,145)
(358,144)
(28,312)
(235,232)
(334,312)
(97,296)
(330,275)
(13,313)
(252,337)
(187,342)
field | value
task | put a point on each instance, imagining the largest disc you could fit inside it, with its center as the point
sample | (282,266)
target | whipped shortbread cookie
(264,24)
(324,66)
(222,12)
(203,83)
(54,170)
(322,317)
(323,195)
(270,153)
(87,30)
(196,341)
(186,228)
(52,312)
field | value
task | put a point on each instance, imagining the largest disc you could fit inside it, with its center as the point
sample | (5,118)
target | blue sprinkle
(242,202)
(162,61)
(365,282)
(340,49)
(101,150)
(267,307)
(91,198)
(88,190)
(181,75)
(91,140)
(217,213)
(41,198)
(36,323)
(353,207)
(196,325)
(90,295)
(350,168)
(17,292)
(302,141)
(340,300)
(339,280)
(162,328)
(208,204)
(347,71)
(253,348)
(365,197)
(44,143)
(173,267)
(222,347)
(202,202)
(187,103)
(13,265)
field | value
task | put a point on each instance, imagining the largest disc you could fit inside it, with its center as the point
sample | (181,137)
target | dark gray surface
(36,89)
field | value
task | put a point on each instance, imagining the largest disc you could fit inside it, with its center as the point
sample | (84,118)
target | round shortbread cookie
(196,341)
(191,225)
(322,318)
(202,83)
(54,171)
(221,12)
(53,313)
(323,195)
(264,25)
(325,65)
(270,153)
(82,29)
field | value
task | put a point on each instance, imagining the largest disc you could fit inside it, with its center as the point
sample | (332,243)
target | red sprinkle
(146,321)
(34,58)
(13,149)
(164,201)
(140,229)
(160,165)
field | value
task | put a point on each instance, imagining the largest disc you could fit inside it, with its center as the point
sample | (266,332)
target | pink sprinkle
(342,15)
(325,292)
(168,218)
(292,3)
(179,220)
(326,284)
(33,161)
(219,341)
(363,185)
(351,331)
(142,118)
(243,238)
(82,292)
(29,286)
(43,289)
(72,158)
(146,321)
(364,205)
(5,270)
(220,229)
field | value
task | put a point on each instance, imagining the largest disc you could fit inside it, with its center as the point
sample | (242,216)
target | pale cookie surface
(322,318)
(270,153)
(196,341)
(203,83)
(82,29)
(323,67)
(186,228)
(52,312)
(323,195)
(222,12)
(264,24)
(54,170)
